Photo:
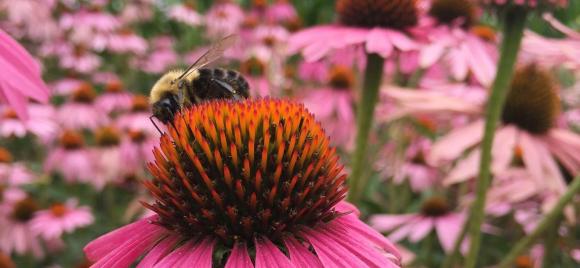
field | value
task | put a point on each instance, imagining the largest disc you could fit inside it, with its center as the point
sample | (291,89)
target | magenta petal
(199,256)
(330,253)
(421,229)
(176,256)
(359,228)
(358,247)
(385,223)
(378,42)
(103,245)
(126,253)
(158,252)
(347,207)
(239,257)
(300,256)
(448,229)
(269,256)
(455,143)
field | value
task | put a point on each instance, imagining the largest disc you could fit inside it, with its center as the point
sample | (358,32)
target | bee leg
(152,121)
(227,87)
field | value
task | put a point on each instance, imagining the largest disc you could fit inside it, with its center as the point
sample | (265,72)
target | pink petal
(127,252)
(401,41)
(458,62)
(330,253)
(448,229)
(103,245)
(347,207)
(378,42)
(158,252)
(465,169)
(385,223)
(269,256)
(360,229)
(455,143)
(421,229)
(176,256)
(479,60)
(300,256)
(503,148)
(431,54)
(239,257)
(199,256)
(357,247)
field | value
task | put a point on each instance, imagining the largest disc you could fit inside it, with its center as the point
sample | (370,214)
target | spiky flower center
(239,170)
(9,113)
(435,207)
(395,14)
(114,86)
(341,77)
(84,94)
(454,11)
(6,261)
(253,66)
(24,210)
(107,137)
(71,140)
(140,104)
(524,262)
(58,210)
(484,32)
(5,156)
(533,103)
(137,136)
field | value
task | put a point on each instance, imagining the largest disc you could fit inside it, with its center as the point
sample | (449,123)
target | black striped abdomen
(205,86)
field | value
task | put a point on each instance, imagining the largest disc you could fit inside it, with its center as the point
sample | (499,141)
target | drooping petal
(421,229)
(300,256)
(385,223)
(448,229)
(103,245)
(360,229)
(269,256)
(199,256)
(330,253)
(174,258)
(158,252)
(378,42)
(239,257)
(455,143)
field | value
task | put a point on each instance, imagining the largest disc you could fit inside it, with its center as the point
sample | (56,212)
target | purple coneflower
(80,112)
(246,184)
(71,159)
(115,98)
(61,218)
(378,25)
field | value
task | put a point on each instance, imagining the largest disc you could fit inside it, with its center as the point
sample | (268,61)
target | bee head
(166,108)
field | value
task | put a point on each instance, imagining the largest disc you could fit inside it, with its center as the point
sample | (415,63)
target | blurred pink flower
(71,159)
(137,119)
(551,51)
(281,12)
(345,236)
(223,19)
(137,11)
(107,158)
(461,50)
(66,86)
(80,112)
(319,41)
(40,123)
(32,19)
(185,14)
(78,58)
(60,218)
(12,173)
(136,150)
(20,77)
(334,108)
(435,215)
(115,98)
(527,3)
(162,56)
(126,41)
(315,71)
(411,167)
(16,234)
(85,25)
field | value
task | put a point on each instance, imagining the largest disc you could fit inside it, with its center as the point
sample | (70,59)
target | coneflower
(246,184)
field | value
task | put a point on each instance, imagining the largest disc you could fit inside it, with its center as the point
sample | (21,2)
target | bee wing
(213,53)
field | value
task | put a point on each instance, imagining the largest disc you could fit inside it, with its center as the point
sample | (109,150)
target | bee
(179,89)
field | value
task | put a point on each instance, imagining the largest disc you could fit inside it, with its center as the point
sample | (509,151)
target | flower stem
(365,112)
(550,219)
(514,21)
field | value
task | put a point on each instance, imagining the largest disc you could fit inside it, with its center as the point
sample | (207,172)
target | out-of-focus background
(84,153)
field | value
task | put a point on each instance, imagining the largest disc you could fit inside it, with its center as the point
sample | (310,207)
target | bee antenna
(153,121)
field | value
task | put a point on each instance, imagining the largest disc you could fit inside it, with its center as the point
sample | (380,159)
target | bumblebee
(178,89)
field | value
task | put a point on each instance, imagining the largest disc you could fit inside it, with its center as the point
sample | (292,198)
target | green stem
(514,22)
(550,242)
(415,78)
(365,112)
(549,220)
